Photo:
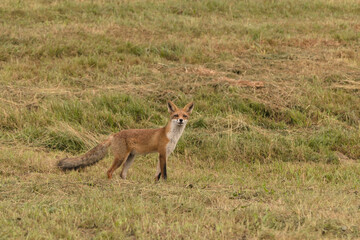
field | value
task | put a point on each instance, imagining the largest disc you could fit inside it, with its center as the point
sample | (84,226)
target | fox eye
(176,115)
(185,116)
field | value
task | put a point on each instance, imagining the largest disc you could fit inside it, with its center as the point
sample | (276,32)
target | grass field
(278,161)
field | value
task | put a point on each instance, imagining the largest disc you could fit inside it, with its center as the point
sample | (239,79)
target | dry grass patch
(281,200)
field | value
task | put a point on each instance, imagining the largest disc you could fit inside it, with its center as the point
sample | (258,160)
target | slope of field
(272,148)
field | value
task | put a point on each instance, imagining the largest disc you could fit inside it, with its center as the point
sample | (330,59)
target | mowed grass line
(282,200)
(279,162)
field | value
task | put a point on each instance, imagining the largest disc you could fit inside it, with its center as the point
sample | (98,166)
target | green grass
(279,162)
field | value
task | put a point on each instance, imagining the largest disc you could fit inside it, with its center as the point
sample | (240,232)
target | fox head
(180,116)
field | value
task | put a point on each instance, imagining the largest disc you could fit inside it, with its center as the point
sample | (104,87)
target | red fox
(128,143)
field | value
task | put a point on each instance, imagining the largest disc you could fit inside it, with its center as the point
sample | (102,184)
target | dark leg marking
(131,155)
(165,175)
(158,176)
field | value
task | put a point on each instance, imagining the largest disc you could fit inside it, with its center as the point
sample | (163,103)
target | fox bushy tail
(89,158)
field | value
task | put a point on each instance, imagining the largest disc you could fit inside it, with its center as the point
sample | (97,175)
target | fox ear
(171,107)
(189,107)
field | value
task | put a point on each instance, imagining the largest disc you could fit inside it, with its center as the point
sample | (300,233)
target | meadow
(272,147)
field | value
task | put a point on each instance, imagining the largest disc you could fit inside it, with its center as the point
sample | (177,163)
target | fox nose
(181,120)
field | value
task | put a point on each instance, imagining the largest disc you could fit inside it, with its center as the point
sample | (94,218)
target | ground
(271,150)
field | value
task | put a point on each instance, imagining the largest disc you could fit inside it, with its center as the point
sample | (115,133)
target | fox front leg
(161,168)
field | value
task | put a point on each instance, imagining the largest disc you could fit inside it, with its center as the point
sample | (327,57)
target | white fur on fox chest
(174,135)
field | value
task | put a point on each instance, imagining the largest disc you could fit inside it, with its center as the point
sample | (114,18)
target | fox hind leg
(118,160)
(127,165)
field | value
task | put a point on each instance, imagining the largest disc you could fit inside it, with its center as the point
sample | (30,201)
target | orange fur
(128,143)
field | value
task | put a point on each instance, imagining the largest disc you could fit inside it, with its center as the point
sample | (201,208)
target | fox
(126,144)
